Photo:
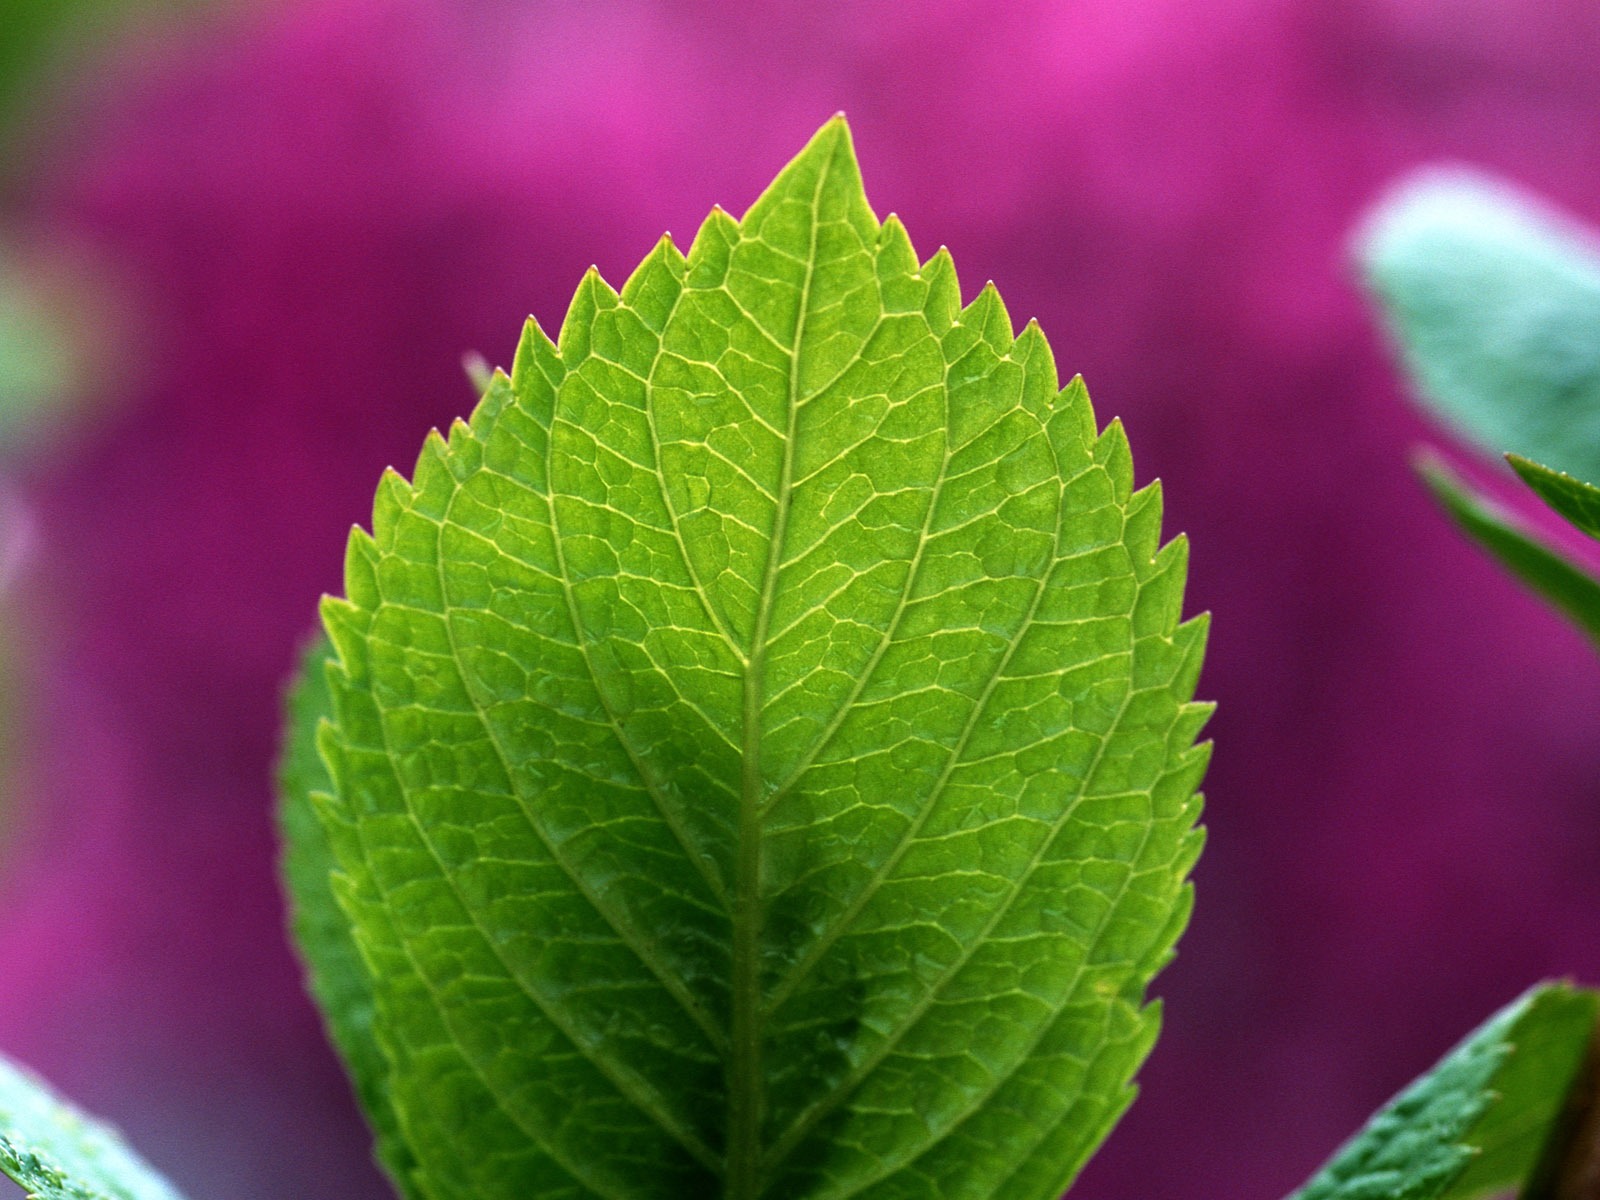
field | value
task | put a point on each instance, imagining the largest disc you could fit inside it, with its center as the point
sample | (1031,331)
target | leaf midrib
(746,1090)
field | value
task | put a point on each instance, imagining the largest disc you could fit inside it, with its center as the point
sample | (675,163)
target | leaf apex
(833,139)
(835,128)
(825,177)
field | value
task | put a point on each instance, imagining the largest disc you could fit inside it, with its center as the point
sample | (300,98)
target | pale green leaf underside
(1478,1122)
(1494,302)
(56,1153)
(1548,571)
(335,974)
(763,747)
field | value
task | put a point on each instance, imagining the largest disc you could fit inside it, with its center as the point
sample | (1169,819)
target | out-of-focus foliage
(1494,302)
(43,353)
(47,354)
(334,971)
(14,538)
(41,42)
(57,1153)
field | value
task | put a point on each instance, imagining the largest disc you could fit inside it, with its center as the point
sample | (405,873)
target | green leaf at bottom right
(1483,1120)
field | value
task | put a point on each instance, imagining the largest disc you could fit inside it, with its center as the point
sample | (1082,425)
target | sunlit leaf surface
(762,760)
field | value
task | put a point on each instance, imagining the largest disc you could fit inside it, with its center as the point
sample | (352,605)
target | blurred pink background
(307,211)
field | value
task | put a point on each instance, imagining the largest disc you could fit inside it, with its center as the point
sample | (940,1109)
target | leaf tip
(988,314)
(825,175)
(831,143)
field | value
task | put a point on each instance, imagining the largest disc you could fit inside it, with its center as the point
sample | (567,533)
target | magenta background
(315,208)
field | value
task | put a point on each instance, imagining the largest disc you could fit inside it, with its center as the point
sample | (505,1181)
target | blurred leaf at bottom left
(56,1152)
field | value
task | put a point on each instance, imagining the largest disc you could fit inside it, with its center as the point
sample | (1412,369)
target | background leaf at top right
(1492,300)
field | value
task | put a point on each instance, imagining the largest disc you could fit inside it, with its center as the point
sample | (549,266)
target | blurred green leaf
(41,361)
(1549,572)
(1481,1120)
(42,43)
(57,1153)
(31,36)
(1493,299)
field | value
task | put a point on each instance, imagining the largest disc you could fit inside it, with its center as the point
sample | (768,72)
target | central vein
(746,1086)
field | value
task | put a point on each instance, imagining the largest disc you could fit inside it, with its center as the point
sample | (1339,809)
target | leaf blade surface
(763,747)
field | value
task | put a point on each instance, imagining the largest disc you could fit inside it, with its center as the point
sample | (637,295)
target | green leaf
(46,44)
(1480,1121)
(336,975)
(1575,500)
(763,752)
(42,366)
(57,1153)
(1546,570)
(1494,302)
